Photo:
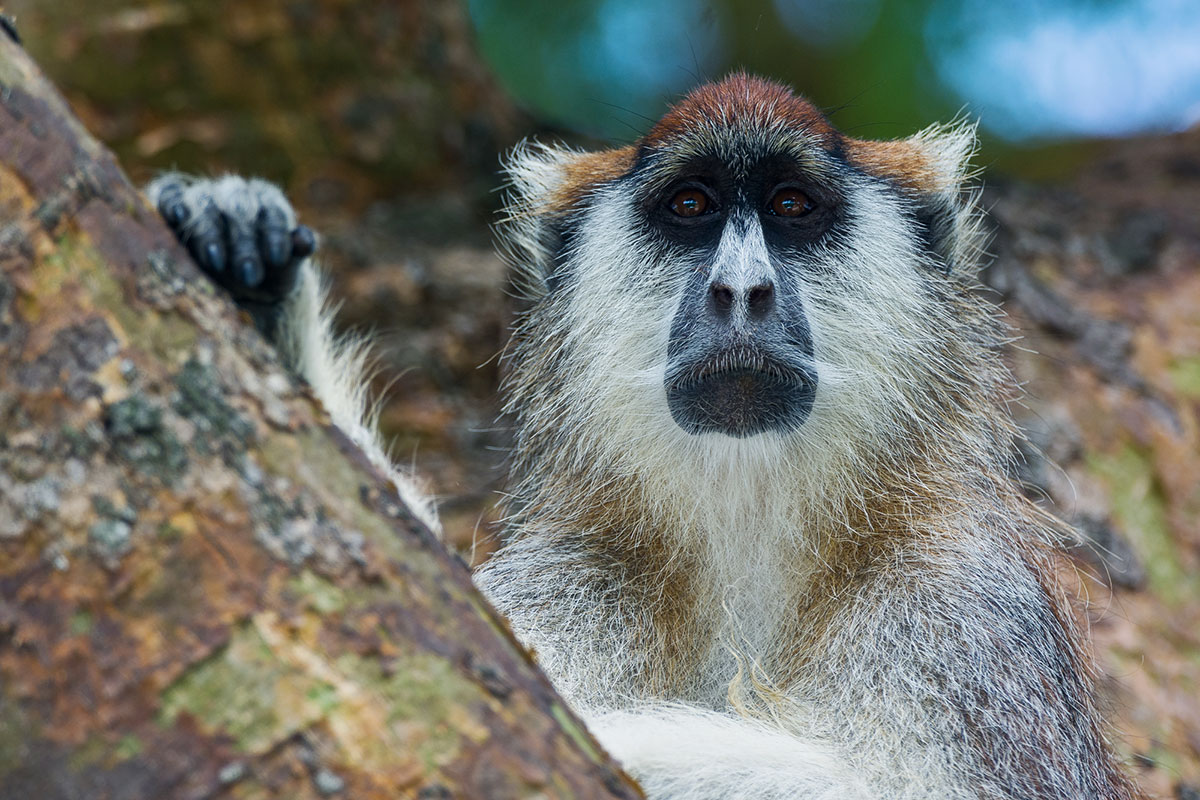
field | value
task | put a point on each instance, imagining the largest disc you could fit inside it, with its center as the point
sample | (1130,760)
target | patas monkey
(762,533)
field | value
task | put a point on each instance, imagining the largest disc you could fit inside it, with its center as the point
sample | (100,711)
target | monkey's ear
(932,168)
(546,188)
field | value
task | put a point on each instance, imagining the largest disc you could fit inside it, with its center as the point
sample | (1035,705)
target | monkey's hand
(242,233)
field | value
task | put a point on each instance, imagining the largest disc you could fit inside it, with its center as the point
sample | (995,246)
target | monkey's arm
(571,612)
(686,753)
(244,235)
(943,720)
(948,675)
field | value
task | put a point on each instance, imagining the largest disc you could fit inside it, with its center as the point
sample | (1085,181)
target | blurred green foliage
(1043,76)
(345,98)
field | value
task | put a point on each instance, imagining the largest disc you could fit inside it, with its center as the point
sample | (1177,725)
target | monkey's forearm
(687,753)
(336,366)
(243,234)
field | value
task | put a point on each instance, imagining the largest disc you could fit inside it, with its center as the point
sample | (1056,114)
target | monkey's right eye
(689,203)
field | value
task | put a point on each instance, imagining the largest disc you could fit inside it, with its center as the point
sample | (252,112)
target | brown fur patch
(904,161)
(660,580)
(584,172)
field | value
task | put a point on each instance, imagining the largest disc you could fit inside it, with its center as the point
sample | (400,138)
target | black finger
(207,241)
(214,256)
(171,205)
(304,241)
(243,249)
(250,272)
(274,241)
(176,214)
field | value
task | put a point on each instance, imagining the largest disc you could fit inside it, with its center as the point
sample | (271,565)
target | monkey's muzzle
(740,394)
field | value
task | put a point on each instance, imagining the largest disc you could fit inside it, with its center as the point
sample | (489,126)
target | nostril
(761,298)
(722,296)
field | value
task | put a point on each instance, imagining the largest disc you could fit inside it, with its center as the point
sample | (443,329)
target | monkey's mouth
(740,394)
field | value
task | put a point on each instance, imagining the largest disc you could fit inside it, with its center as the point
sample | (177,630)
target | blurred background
(1037,73)
(1043,76)
(385,120)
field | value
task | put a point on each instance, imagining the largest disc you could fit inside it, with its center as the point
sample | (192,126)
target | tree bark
(205,590)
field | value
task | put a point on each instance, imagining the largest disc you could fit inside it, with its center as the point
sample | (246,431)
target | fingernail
(215,256)
(277,249)
(250,271)
(177,213)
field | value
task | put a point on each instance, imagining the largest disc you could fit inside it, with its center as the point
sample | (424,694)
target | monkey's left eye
(790,203)
(689,203)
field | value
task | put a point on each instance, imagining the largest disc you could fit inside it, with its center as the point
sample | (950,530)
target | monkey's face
(744,281)
(739,356)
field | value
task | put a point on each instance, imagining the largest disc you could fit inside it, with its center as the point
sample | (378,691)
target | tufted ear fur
(932,169)
(546,185)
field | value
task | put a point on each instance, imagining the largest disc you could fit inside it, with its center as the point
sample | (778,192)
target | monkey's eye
(689,203)
(790,203)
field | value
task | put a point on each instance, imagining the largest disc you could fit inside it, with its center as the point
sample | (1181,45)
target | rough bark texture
(204,589)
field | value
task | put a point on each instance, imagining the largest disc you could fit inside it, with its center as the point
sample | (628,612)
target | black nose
(758,300)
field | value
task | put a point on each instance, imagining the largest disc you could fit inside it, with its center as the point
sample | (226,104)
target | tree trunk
(205,590)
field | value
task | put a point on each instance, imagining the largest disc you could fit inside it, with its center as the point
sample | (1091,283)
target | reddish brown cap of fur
(745,101)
